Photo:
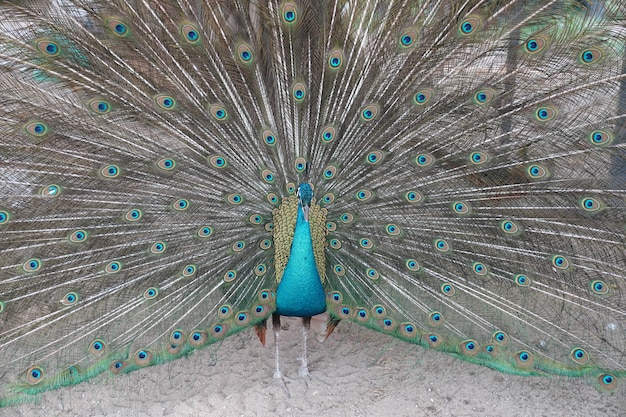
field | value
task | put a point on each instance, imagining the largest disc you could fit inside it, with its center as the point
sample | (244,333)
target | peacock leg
(276,330)
(304,367)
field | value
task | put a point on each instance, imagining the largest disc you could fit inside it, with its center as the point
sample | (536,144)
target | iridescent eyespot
(340,271)
(501,338)
(218,112)
(197,338)
(48,47)
(590,204)
(392,229)
(330,172)
(190,33)
(298,92)
(335,297)
(269,137)
(51,190)
(4,217)
(535,44)
(470,347)
(599,287)
(447,289)
(408,37)
(225,311)
(242,318)
(372,273)
(362,315)
(424,160)
(181,204)
(433,340)
(524,359)
(36,129)
(600,137)
(69,299)
(230,275)
(205,231)
(177,336)
(478,158)
(335,59)
(379,312)
(408,330)
(543,114)
(255,219)
(99,106)
(165,102)
(78,236)
(590,56)
(460,207)
(265,244)
(522,280)
(482,97)
(441,245)
(607,381)
(110,171)
(158,247)
(536,172)
(413,197)
(469,26)
(579,355)
(97,347)
(365,243)
(260,270)
(218,161)
(412,265)
(335,244)
(244,53)
(189,270)
(150,293)
(560,262)
(436,319)
(346,218)
(238,246)
(34,375)
(117,27)
(480,269)
(328,134)
(142,357)
(363,195)
(331,226)
(423,97)
(166,164)
(260,311)
(267,176)
(113,267)
(509,227)
(289,12)
(374,157)
(133,215)
(328,198)
(290,187)
(32,265)
(234,199)
(369,113)
(272,198)
(219,331)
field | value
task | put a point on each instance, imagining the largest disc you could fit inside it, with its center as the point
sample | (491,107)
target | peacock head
(305,195)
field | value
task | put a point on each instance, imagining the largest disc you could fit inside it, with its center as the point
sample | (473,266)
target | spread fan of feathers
(451,173)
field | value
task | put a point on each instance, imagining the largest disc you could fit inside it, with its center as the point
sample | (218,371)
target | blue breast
(300,292)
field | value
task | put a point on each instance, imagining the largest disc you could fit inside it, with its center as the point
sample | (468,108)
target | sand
(357,372)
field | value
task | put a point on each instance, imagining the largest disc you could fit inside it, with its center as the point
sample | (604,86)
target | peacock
(450,173)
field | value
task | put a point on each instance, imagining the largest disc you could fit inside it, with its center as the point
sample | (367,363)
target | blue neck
(300,292)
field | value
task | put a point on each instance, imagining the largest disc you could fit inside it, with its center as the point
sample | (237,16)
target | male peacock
(174,172)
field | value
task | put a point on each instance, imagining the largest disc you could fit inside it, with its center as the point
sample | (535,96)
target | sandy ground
(357,372)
